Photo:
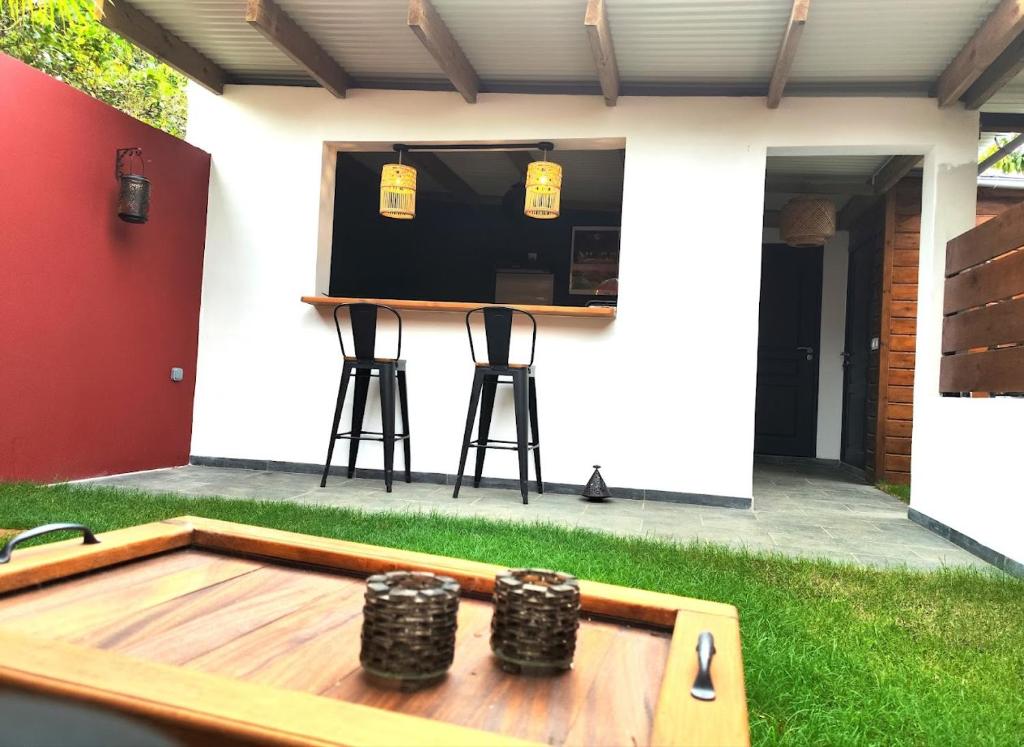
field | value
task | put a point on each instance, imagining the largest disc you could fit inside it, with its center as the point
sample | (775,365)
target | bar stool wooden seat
(364,365)
(487,376)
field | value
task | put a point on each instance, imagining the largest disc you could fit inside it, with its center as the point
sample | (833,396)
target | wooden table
(225,633)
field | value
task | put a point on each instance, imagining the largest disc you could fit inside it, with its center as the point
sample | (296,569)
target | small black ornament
(595,489)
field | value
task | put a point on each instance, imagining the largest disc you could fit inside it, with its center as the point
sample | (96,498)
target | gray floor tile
(801,511)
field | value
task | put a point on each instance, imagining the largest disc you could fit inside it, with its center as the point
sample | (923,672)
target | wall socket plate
(177,374)
(874,343)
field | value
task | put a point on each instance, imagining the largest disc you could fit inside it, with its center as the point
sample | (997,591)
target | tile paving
(798,510)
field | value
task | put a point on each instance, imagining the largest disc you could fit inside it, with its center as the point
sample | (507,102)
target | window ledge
(587,312)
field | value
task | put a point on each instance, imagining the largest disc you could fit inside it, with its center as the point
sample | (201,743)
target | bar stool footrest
(369,436)
(496,443)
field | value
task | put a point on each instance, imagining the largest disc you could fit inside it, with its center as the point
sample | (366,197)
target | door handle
(846,357)
(809,351)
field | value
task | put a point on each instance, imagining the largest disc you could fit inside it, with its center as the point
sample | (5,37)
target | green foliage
(1012,163)
(833,654)
(64,39)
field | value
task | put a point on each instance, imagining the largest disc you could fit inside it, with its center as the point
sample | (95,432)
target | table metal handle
(88,536)
(703,689)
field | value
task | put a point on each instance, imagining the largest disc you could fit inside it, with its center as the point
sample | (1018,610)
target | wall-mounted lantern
(133,199)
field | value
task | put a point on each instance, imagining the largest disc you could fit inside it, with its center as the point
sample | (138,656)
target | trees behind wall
(64,39)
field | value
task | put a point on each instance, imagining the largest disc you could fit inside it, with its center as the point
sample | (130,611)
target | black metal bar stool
(365,365)
(498,330)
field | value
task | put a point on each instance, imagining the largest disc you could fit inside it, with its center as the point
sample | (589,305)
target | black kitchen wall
(451,250)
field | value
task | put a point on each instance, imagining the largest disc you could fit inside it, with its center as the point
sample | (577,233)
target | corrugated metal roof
(697,41)
(217,28)
(662,46)
(539,41)
(838,166)
(369,38)
(884,41)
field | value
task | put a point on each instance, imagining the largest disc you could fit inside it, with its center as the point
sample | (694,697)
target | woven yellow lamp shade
(543,189)
(398,191)
(807,221)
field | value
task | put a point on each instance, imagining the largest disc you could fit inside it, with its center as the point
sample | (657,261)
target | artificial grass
(896,490)
(833,654)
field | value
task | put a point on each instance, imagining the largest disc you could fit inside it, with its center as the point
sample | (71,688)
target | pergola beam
(601,48)
(993,38)
(281,31)
(787,51)
(892,171)
(999,73)
(430,29)
(144,32)
(1001,153)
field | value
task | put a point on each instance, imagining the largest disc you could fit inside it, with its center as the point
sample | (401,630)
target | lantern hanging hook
(128,154)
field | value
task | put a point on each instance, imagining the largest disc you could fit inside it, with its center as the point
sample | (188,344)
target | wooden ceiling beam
(603,51)
(787,51)
(430,29)
(993,38)
(892,171)
(999,73)
(144,32)
(281,31)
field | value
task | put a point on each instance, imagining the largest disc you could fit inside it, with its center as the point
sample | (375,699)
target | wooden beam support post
(281,31)
(892,171)
(787,51)
(144,32)
(596,23)
(430,29)
(1001,153)
(993,38)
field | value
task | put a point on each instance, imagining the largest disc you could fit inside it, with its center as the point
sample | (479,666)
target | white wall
(832,341)
(966,466)
(663,396)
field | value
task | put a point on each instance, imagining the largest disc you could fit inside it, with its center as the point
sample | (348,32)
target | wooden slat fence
(983,329)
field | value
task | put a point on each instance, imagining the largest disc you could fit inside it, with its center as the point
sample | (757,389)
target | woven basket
(807,221)
(536,614)
(409,622)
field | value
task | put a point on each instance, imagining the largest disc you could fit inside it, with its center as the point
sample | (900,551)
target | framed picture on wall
(594,270)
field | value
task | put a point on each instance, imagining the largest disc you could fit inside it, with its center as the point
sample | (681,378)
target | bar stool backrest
(498,331)
(363,319)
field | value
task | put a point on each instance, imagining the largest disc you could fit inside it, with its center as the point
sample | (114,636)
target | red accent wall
(94,312)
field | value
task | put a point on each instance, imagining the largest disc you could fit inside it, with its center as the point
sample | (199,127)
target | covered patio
(808,511)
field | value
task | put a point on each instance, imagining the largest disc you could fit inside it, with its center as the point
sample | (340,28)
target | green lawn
(833,654)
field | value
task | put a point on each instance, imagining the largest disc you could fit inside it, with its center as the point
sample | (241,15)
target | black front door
(786,411)
(857,353)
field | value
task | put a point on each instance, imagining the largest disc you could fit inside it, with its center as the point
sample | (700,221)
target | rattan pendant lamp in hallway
(807,221)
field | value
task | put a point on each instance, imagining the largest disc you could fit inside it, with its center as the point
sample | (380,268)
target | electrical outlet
(874,343)
(177,374)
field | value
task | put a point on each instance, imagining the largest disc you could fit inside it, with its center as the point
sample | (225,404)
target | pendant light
(807,221)
(398,189)
(543,187)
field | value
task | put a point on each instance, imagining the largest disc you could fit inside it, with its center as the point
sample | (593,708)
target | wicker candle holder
(409,622)
(536,614)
